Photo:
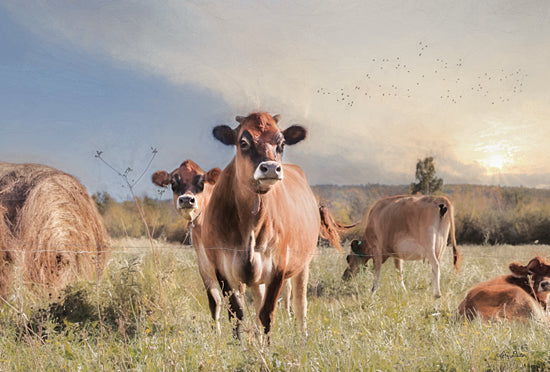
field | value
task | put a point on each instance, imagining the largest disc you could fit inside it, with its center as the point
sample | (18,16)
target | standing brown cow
(262,223)
(192,188)
(405,228)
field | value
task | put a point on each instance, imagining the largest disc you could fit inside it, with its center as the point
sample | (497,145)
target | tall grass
(118,323)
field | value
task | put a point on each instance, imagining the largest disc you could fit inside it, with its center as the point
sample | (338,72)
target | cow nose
(186,201)
(269,170)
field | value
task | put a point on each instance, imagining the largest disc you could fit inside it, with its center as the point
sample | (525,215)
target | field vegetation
(483,214)
(149,311)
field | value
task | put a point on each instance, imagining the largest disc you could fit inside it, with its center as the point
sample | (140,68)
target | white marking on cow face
(188,205)
(268,173)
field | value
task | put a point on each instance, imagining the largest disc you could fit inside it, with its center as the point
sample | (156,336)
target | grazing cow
(405,228)
(522,295)
(263,221)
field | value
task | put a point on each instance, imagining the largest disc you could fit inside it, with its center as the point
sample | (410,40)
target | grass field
(150,312)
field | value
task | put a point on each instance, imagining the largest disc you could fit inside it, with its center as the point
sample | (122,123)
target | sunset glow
(496,157)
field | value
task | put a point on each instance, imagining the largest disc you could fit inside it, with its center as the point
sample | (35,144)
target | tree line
(483,214)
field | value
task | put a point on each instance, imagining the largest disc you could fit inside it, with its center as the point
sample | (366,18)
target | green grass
(145,314)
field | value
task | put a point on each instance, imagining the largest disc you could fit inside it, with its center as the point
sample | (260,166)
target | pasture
(149,311)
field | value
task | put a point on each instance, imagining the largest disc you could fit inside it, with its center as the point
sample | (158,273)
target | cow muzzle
(544,286)
(187,202)
(268,173)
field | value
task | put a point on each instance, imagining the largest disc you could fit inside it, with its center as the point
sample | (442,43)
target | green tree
(103,201)
(427,183)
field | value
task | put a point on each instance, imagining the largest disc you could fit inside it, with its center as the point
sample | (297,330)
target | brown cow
(262,223)
(405,228)
(521,295)
(190,185)
(192,188)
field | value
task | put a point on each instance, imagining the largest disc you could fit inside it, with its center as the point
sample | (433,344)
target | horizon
(378,86)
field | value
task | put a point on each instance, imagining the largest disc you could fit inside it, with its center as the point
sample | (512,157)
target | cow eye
(281,147)
(199,182)
(244,145)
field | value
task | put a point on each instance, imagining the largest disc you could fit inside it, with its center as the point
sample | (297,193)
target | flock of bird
(445,80)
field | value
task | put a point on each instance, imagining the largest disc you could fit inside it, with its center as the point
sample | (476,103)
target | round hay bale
(56,228)
(6,256)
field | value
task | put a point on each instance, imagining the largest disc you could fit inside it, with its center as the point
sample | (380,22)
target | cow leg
(299,284)
(235,304)
(377,259)
(215,304)
(272,291)
(436,272)
(399,267)
(285,293)
(214,297)
(258,294)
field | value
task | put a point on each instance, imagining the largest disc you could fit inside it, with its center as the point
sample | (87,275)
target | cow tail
(329,228)
(456,255)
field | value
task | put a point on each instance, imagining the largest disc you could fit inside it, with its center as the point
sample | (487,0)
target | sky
(378,84)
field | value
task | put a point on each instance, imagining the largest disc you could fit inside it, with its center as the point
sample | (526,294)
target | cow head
(260,144)
(356,259)
(539,270)
(188,183)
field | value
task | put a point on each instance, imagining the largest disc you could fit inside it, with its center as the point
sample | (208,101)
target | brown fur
(522,295)
(400,227)
(56,229)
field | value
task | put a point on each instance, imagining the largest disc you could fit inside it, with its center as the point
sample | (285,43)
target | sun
(493,162)
(496,157)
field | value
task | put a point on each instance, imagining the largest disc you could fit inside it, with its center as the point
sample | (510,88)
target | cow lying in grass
(521,295)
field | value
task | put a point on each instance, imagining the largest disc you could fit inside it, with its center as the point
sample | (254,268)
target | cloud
(379,85)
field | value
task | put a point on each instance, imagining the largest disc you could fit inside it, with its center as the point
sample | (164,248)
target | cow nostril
(263,168)
(192,200)
(278,169)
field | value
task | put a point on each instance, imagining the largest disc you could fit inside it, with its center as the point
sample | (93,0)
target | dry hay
(6,256)
(57,232)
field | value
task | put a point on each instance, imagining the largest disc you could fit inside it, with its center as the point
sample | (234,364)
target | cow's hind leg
(299,289)
(436,272)
(235,304)
(286,293)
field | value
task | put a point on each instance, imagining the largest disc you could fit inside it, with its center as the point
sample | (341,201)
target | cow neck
(250,207)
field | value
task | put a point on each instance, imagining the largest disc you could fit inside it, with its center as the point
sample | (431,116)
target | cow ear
(355,246)
(212,176)
(518,270)
(224,134)
(538,266)
(161,178)
(276,118)
(294,134)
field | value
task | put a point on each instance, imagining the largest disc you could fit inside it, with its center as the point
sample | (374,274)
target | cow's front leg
(272,291)
(236,308)
(399,267)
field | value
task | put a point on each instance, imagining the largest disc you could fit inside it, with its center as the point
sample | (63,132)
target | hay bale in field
(6,256)
(56,230)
